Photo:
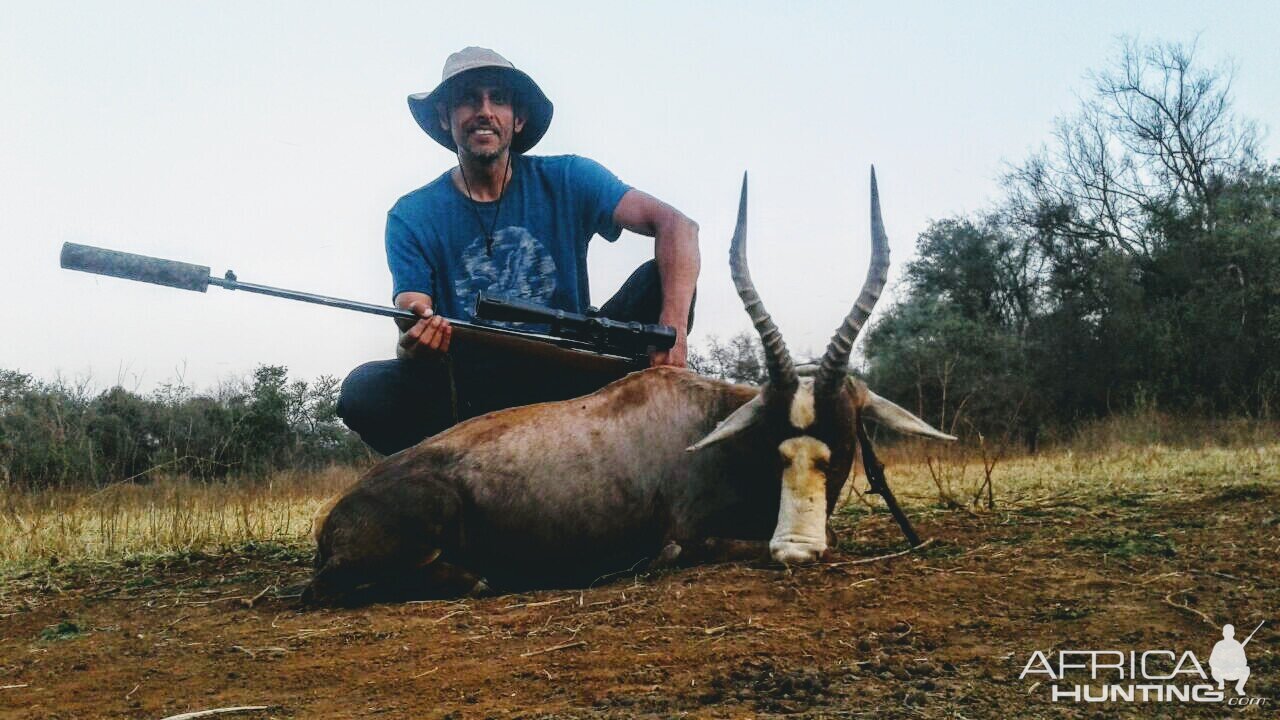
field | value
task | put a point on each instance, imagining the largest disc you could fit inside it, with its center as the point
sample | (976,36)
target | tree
(741,359)
(1158,134)
(1150,210)
(1174,119)
(1219,289)
(121,427)
(984,270)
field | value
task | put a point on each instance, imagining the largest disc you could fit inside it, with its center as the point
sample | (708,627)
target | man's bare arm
(430,334)
(675,246)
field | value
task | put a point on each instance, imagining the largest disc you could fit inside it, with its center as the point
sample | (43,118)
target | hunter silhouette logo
(1096,676)
(1228,661)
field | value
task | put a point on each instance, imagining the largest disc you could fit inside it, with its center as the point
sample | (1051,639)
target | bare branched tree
(1157,132)
(1176,120)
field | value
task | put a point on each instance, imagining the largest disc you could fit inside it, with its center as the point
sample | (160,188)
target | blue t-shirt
(551,208)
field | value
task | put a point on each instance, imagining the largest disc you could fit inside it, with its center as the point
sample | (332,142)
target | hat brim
(538,108)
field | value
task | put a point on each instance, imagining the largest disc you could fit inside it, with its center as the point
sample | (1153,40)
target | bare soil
(944,632)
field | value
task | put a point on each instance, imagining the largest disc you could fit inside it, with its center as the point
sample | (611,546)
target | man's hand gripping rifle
(585,341)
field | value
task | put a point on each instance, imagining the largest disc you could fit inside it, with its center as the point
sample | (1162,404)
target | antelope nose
(795,553)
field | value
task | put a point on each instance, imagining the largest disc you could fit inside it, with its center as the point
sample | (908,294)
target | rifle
(1255,632)
(632,339)
(577,341)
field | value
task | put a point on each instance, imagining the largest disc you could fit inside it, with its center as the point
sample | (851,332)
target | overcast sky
(272,137)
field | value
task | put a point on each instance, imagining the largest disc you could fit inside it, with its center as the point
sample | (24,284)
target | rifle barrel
(1255,630)
(386,311)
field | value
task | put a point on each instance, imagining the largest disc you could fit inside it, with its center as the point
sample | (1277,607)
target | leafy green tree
(739,359)
(42,438)
(60,434)
(981,268)
(121,428)
(1217,292)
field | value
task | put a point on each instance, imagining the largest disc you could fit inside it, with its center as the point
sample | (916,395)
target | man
(513,224)
(1227,661)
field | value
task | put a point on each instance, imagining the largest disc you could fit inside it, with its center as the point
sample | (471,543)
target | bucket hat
(536,105)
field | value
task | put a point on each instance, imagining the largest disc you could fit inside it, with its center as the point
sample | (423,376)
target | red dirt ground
(941,633)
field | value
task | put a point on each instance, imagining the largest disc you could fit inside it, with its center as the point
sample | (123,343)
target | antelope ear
(893,416)
(738,420)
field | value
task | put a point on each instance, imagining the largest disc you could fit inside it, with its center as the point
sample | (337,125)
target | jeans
(394,404)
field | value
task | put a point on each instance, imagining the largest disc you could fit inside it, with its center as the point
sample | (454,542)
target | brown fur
(553,477)
(563,493)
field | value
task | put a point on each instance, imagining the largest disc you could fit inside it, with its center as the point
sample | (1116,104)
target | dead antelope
(663,464)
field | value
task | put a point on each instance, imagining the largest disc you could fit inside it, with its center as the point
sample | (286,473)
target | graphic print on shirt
(520,266)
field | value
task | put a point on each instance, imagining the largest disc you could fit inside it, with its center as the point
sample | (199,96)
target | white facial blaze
(802,413)
(801,534)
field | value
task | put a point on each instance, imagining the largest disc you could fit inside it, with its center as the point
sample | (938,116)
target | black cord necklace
(475,206)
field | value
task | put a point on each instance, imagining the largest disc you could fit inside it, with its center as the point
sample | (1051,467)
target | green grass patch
(228,564)
(1125,545)
(862,548)
(852,511)
(64,630)
(1243,492)
(1193,522)
(941,549)
(1014,539)
(1130,500)
(144,581)
(1045,512)
(300,553)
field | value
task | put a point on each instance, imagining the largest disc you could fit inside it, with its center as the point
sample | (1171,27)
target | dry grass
(172,515)
(1055,477)
(1142,453)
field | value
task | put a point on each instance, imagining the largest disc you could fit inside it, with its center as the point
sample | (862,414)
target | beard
(485,153)
(485,156)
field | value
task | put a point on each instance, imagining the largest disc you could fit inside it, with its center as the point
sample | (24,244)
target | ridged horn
(831,372)
(782,373)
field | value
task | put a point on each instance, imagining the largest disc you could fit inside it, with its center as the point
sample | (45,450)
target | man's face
(481,117)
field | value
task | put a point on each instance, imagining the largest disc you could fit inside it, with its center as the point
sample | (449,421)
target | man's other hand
(430,334)
(675,247)
(677,356)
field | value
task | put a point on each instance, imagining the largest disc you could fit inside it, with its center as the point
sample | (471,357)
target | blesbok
(662,465)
